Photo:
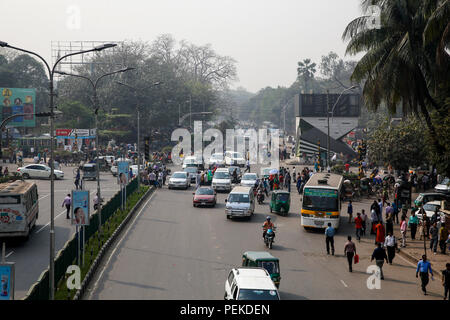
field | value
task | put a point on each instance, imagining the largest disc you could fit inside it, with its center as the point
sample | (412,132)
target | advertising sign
(80,207)
(7,281)
(15,101)
(75,133)
(122,172)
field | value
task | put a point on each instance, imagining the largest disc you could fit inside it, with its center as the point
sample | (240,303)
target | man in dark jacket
(379,254)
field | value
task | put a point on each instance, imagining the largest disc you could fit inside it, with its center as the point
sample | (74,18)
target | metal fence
(67,255)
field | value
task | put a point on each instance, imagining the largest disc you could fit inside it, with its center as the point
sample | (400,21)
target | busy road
(172,250)
(32,256)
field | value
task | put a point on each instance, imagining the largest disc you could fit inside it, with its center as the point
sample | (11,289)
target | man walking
(247,169)
(403,229)
(379,255)
(381,233)
(412,224)
(287,180)
(67,202)
(358,226)
(443,236)
(423,268)
(349,252)
(364,220)
(446,281)
(434,234)
(329,238)
(374,219)
(391,244)
(350,211)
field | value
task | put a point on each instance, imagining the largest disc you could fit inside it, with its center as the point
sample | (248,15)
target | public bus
(19,208)
(322,201)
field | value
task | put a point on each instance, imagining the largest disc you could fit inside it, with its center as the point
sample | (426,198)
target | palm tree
(399,67)
(306,71)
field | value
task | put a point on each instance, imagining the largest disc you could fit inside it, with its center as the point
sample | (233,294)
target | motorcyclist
(260,194)
(160,179)
(268,225)
(235,178)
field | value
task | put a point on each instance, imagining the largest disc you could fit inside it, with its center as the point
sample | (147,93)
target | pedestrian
(443,236)
(376,207)
(390,223)
(434,234)
(329,238)
(350,211)
(374,219)
(197,180)
(299,184)
(77,179)
(403,229)
(380,233)
(6,172)
(364,220)
(391,245)
(380,212)
(248,166)
(426,223)
(412,224)
(380,256)
(349,252)
(446,281)
(358,226)
(67,202)
(288,181)
(423,268)
(396,211)
(294,177)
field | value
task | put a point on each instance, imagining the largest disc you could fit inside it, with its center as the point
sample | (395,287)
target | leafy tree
(306,71)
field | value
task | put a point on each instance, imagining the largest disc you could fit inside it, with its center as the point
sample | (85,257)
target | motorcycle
(260,196)
(160,182)
(268,237)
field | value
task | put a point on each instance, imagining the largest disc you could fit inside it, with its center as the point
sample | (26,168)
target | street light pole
(94,85)
(51,72)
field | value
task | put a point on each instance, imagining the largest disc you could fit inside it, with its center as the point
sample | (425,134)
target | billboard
(15,101)
(80,207)
(7,281)
(122,172)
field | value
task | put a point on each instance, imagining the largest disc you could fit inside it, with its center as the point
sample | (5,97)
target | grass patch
(94,244)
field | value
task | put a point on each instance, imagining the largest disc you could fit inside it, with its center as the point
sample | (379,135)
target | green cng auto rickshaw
(280,202)
(264,260)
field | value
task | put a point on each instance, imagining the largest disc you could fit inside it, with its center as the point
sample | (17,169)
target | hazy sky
(267,38)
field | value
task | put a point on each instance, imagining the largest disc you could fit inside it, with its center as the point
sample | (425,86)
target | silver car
(39,171)
(179,179)
(249,179)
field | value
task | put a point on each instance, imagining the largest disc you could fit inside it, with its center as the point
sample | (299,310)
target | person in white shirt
(390,243)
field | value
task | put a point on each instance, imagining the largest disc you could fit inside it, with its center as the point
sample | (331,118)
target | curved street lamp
(96,108)
(51,71)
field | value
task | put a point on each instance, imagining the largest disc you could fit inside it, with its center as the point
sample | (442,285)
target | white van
(19,208)
(240,202)
(221,180)
(250,284)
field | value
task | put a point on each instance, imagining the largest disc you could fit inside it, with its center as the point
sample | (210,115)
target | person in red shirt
(347,167)
(381,233)
(358,226)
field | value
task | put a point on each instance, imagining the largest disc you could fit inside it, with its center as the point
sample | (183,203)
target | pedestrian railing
(67,255)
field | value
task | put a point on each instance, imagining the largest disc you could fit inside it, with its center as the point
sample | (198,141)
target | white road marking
(118,245)
(48,223)
(9,254)
(44,197)
(345,285)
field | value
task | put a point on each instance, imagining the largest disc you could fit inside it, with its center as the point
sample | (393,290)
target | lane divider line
(9,254)
(345,285)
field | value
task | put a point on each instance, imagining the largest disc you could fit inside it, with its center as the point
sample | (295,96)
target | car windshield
(191,170)
(236,197)
(270,266)
(282,197)
(231,170)
(430,207)
(255,294)
(10,200)
(320,199)
(89,168)
(217,156)
(181,175)
(249,177)
(446,181)
(221,175)
(235,155)
(204,191)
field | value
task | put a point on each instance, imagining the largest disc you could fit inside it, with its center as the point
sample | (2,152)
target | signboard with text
(15,101)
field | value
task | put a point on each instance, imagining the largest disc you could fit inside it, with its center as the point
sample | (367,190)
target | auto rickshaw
(264,260)
(280,202)
(348,190)
(364,185)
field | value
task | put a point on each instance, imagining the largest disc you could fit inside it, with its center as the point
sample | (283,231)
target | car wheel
(228,217)
(26,176)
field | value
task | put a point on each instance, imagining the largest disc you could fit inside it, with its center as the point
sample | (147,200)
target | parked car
(38,171)
(204,196)
(179,179)
(430,196)
(430,208)
(443,186)
(250,284)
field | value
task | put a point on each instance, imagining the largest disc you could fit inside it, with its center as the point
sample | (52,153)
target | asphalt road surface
(32,256)
(171,250)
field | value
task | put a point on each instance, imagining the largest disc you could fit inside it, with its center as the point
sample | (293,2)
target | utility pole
(328,129)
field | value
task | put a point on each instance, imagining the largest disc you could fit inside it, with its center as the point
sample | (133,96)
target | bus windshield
(320,199)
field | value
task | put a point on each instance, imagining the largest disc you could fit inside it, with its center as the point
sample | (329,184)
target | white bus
(322,201)
(19,208)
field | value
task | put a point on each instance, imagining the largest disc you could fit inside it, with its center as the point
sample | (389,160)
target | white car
(221,180)
(250,284)
(216,158)
(430,208)
(443,187)
(249,179)
(233,158)
(39,171)
(192,161)
(179,179)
